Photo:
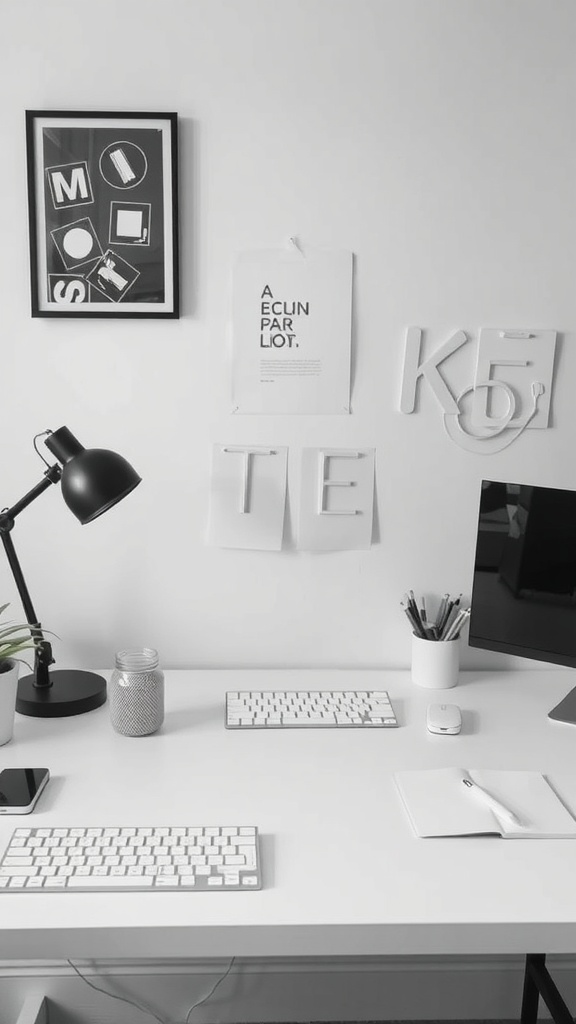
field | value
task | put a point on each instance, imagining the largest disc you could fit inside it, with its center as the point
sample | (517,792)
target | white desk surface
(343,873)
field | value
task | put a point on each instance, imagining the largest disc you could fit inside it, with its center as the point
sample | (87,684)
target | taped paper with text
(291,330)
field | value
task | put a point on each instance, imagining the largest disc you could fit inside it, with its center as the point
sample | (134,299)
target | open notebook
(439,804)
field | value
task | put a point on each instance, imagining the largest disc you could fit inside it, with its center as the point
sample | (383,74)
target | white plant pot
(8,688)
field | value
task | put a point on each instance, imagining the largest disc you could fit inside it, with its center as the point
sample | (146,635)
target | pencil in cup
(449,621)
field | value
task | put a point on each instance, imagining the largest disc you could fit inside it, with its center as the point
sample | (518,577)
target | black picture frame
(103,213)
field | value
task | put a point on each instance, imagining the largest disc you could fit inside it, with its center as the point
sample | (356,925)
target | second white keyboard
(194,858)
(279,709)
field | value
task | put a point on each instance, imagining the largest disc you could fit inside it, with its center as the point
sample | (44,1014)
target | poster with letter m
(103,213)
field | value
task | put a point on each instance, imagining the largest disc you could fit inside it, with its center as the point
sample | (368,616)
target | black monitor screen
(524,588)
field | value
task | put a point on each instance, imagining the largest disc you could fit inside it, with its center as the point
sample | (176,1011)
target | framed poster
(103,213)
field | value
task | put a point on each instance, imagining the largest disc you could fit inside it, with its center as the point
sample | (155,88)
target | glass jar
(136,692)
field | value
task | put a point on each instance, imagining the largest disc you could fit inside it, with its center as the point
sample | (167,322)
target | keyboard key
(109,882)
(248,855)
(20,871)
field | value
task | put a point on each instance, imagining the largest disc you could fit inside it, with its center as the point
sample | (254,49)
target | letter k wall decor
(510,391)
(103,209)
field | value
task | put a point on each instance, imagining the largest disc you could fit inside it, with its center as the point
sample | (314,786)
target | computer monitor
(524,586)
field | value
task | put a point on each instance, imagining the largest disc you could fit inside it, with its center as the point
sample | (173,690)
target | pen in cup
(449,616)
(447,624)
(454,629)
(441,610)
(417,627)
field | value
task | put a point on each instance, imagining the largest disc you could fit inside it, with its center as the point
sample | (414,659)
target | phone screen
(19,786)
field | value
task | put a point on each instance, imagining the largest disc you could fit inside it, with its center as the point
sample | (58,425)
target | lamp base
(73,692)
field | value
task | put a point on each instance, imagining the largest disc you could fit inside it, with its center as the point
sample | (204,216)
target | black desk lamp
(93,480)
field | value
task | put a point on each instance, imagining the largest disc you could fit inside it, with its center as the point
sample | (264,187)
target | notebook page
(439,805)
(532,799)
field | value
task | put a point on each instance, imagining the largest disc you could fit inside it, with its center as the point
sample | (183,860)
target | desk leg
(530,994)
(537,982)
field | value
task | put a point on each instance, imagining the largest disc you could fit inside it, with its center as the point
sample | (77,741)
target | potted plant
(15,638)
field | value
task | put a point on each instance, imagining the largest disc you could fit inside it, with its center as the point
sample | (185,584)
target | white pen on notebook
(502,812)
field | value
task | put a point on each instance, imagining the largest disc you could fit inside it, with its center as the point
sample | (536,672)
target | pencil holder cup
(435,663)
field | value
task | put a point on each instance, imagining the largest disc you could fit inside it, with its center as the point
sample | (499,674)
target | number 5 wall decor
(103,209)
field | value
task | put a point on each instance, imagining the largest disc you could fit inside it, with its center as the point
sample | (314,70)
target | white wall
(435,139)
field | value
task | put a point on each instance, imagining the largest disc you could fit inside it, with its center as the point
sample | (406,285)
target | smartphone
(20,789)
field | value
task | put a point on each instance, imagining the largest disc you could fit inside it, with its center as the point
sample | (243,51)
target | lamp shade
(93,479)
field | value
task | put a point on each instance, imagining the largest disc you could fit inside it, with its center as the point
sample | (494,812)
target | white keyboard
(206,858)
(272,709)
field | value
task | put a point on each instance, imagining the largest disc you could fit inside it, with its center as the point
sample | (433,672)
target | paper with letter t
(247,496)
(291,331)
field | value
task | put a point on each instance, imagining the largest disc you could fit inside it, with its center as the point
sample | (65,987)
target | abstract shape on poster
(70,185)
(67,288)
(123,164)
(77,243)
(113,276)
(130,223)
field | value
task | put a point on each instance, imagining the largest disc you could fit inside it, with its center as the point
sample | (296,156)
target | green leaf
(8,630)
(9,650)
(21,636)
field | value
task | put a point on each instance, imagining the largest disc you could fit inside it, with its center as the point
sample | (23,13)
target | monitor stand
(565,711)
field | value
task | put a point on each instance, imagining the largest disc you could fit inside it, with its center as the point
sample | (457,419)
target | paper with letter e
(291,331)
(247,496)
(336,499)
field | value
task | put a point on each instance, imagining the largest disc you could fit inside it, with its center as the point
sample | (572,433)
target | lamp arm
(43,652)
(51,476)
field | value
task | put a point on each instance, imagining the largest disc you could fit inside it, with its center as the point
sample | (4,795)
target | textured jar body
(136,693)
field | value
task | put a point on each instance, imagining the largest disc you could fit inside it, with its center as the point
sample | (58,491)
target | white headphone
(486,444)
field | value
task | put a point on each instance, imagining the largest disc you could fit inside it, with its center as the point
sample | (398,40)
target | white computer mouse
(443,719)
